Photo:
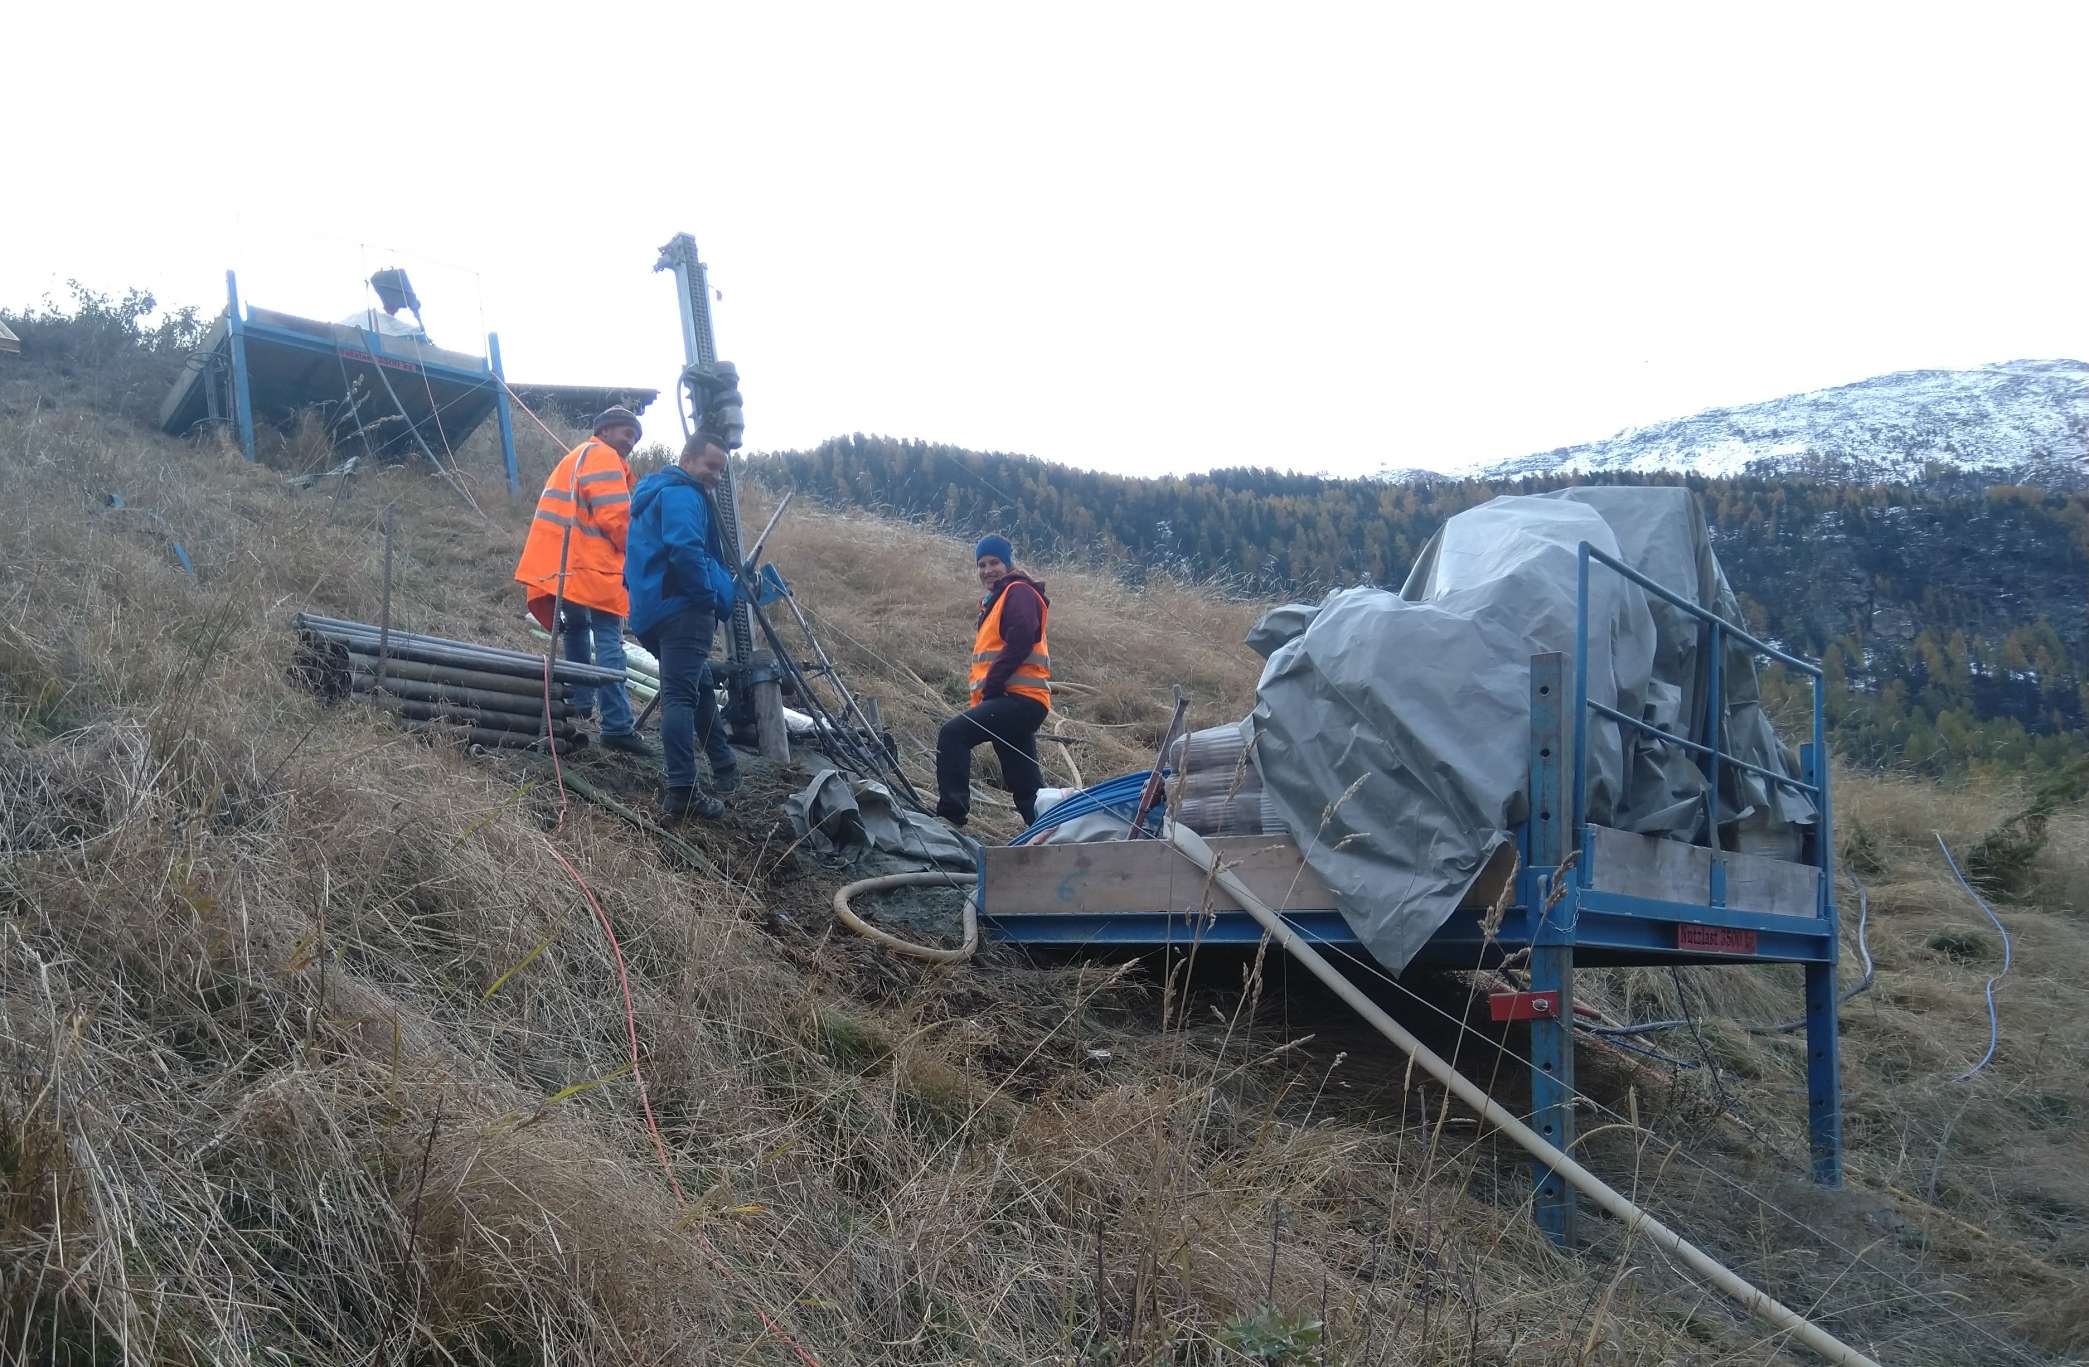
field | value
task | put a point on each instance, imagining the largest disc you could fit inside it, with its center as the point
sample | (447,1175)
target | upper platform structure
(578,404)
(1578,891)
(393,393)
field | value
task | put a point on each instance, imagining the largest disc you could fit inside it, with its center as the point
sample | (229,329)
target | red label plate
(1715,939)
(1523,1006)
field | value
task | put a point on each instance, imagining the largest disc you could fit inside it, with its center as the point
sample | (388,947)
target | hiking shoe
(951,810)
(678,805)
(629,742)
(724,783)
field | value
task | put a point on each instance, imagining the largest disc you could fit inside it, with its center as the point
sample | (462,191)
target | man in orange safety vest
(1011,678)
(578,537)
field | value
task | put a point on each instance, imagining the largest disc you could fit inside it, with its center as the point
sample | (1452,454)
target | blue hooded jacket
(674,558)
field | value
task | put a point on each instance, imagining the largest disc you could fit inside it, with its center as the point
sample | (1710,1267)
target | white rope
(1994,1022)
(1757,1302)
(1677,1151)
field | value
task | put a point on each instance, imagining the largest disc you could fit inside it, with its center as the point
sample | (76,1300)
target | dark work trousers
(1010,725)
(688,700)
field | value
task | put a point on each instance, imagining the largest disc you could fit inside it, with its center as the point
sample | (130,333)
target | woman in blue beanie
(1011,677)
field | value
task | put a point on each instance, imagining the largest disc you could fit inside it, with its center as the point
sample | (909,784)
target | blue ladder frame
(1557,895)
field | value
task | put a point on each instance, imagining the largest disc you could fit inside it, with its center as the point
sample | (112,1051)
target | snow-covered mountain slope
(2020,422)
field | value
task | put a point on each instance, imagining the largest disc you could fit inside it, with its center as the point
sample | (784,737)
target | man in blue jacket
(680,585)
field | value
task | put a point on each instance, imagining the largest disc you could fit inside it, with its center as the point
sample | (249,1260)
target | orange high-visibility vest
(583,513)
(1033,677)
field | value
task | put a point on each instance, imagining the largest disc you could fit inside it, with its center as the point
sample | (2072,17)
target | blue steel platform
(1620,899)
(258,362)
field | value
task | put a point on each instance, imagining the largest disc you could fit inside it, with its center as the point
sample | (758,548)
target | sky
(1141,237)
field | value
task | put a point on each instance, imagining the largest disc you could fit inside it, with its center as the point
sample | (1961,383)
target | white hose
(1759,1304)
(908,947)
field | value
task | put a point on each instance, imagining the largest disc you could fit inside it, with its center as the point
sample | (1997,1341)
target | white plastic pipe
(1757,1303)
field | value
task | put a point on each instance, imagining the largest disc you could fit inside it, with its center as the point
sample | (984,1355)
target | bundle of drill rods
(641,668)
(486,695)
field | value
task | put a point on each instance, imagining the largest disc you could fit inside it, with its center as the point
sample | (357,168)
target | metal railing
(1716,631)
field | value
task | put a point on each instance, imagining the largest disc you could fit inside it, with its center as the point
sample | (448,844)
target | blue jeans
(689,698)
(595,637)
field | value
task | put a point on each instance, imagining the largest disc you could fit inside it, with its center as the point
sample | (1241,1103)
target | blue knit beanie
(997,546)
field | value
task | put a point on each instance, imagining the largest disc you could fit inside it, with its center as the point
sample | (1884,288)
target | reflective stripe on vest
(561,520)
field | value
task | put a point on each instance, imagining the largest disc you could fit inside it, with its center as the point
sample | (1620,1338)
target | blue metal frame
(236,337)
(1154,930)
(1559,914)
(500,408)
(1552,943)
(1815,941)
(238,329)
(1823,1034)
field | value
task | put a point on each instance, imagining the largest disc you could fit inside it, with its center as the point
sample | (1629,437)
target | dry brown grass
(897,603)
(313,1050)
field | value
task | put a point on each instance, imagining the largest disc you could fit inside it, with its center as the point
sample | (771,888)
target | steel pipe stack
(485,695)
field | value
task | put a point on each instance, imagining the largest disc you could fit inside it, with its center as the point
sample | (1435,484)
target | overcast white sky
(1140,237)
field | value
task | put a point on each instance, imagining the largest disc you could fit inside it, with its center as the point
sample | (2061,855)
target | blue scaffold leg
(1823,998)
(1823,1075)
(500,408)
(1552,1086)
(236,342)
(1552,950)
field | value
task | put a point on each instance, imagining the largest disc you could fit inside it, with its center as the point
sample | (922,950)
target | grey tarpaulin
(1391,730)
(1279,625)
(855,819)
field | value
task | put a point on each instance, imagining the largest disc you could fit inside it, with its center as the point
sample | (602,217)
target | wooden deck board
(1113,876)
(1668,871)
(1120,877)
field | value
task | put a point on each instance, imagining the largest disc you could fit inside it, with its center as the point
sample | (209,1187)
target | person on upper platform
(394,292)
(577,538)
(1011,679)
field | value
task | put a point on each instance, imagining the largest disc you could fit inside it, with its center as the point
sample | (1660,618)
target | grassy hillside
(316,1049)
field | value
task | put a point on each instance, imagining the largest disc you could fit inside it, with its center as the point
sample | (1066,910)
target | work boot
(723,783)
(678,805)
(951,810)
(629,742)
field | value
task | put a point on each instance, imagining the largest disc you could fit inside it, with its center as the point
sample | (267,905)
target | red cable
(645,1099)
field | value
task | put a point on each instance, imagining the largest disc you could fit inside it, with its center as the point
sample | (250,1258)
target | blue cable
(1119,795)
(1994,1024)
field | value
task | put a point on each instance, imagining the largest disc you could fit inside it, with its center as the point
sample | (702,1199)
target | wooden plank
(1670,871)
(185,405)
(772,736)
(1113,877)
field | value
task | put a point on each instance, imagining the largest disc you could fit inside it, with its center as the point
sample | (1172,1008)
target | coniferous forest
(1952,618)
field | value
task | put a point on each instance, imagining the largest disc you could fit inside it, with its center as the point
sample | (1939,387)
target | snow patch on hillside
(2019,422)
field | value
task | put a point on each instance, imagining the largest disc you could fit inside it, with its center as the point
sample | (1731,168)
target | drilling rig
(708,400)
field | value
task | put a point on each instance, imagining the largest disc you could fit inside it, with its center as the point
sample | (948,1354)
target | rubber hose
(908,947)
